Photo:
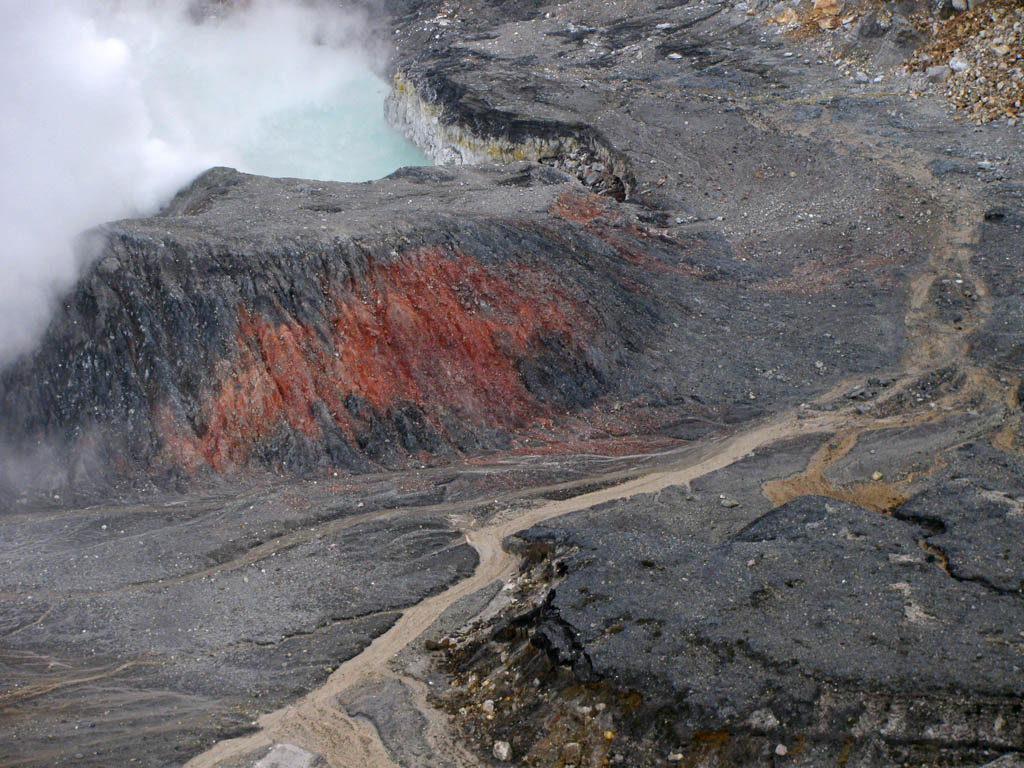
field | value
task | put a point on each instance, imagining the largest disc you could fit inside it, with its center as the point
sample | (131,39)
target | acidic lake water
(267,92)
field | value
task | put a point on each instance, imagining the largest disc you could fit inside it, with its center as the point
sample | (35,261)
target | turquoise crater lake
(276,89)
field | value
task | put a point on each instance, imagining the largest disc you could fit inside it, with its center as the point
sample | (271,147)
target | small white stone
(763,719)
(287,756)
(958,64)
(502,751)
(780,750)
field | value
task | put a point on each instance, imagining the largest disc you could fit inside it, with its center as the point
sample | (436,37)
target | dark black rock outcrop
(840,633)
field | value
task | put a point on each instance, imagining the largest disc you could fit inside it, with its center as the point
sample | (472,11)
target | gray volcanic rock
(279,323)
(978,531)
(681,229)
(161,628)
(387,704)
(818,622)
(289,756)
(997,259)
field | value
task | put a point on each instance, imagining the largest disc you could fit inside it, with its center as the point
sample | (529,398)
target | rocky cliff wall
(219,337)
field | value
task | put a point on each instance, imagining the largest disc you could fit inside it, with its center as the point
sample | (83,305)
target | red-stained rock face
(433,330)
(581,209)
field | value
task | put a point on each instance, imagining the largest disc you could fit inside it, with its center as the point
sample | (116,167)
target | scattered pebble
(572,752)
(959,64)
(502,751)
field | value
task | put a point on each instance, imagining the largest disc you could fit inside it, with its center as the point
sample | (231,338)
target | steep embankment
(278,324)
(297,327)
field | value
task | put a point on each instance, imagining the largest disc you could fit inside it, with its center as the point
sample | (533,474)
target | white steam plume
(107,107)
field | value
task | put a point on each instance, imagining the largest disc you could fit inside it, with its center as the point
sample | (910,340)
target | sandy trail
(317,724)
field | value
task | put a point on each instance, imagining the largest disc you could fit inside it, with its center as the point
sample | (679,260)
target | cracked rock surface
(835,625)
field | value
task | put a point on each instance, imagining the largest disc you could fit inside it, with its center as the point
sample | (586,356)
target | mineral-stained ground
(674,420)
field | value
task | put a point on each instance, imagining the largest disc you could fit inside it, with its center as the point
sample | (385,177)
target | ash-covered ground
(675,421)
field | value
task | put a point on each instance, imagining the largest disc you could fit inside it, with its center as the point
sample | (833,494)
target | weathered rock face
(292,326)
(833,630)
(277,324)
(998,258)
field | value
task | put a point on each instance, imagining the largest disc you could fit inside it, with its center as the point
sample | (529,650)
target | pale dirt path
(315,722)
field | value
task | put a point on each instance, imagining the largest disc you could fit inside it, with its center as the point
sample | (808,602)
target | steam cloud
(110,106)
